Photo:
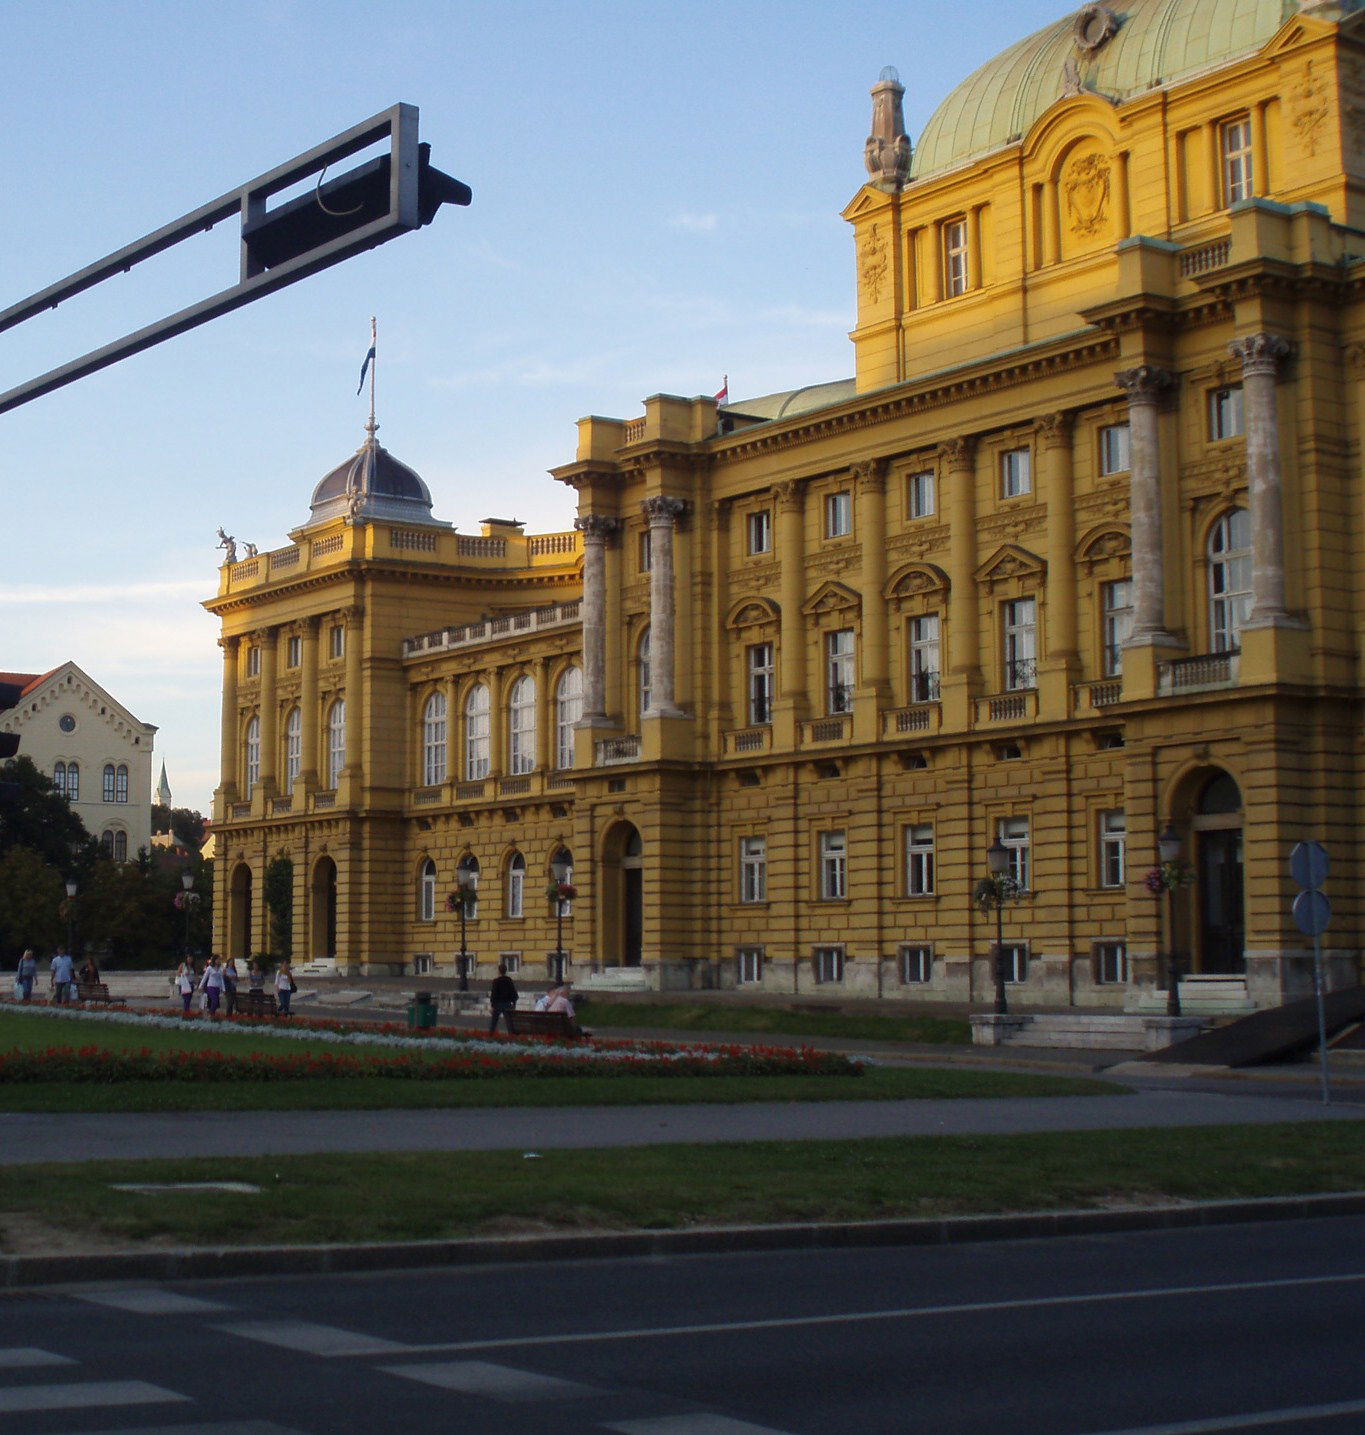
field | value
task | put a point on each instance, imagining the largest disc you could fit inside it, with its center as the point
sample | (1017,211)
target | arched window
(253,754)
(107,843)
(646,683)
(336,742)
(121,783)
(73,781)
(426,892)
(59,779)
(108,785)
(293,748)
(568,712)
(521,724)
(516,886)
(434,740)
(1229,580)
(120,846)
(477,758)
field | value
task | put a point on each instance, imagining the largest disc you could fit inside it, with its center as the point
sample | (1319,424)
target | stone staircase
(1200,996)
(1085,1031)
(613,979)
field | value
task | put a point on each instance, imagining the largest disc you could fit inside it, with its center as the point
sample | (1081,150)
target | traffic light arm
(343,217)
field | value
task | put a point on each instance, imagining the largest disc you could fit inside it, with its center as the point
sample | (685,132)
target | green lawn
(401,1197)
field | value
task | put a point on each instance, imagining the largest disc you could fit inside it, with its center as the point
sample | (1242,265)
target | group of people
(218,980)
(62,976)
(503,997)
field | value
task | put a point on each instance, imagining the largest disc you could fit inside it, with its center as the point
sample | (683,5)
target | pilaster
(873,690)
(793,699)
(962,673)
(1060,663)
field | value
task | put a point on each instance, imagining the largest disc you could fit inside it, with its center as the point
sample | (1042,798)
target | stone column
(1260,356)
(662,514)
(267,639)
(791,500)
(310,718)
(1058,485)
(227,782)
(596,530)
(355,697)
(963,636)
(870,479)
(1145,386)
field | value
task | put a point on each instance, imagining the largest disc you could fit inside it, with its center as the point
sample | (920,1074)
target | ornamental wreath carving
(1086,188)
(874,265)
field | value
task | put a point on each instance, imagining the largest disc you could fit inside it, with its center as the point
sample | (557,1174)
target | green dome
(1156,42)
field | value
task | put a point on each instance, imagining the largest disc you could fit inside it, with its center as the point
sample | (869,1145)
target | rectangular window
(829,964)
(1013,834)
(839,675)
(253,662)
(916,965)
(1111,963)
(1021,644)
(1226,419)
(919,495)
(833,866)
(1234,142)
(293,651)
(760,683)
(753,869)
(838,514)
(1016,472)
(749,966)
(924,659)
(759,528)
(1014,959)
(646,551)
(955,268)
(1113,840)
(919,860)
(1115,449)
(511,960)
(1116,600)
(336,641)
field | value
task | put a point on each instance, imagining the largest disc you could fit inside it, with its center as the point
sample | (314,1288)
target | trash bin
(422,1011)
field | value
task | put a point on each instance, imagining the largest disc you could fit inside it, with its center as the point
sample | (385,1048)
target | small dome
(373,484)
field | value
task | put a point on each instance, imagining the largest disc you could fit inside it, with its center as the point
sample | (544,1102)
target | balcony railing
(427,796)
(1008,707)
(466,790)
(1205,258)
(1210,671)
(614,750)
(923,717)
(514,786)
(1090,697)
(749,739)
(829,729)
(555,615)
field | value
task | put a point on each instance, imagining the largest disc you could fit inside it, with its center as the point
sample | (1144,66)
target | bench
(544,1023)
(92,992)
(256,1003)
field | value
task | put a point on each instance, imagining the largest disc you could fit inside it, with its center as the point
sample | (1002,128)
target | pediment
(1011,561)
(915,578)
(751,612)
(831,597)
(1109,541)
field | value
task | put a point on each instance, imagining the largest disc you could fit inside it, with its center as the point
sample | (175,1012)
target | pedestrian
(62,976)
(284,987)
(502,997)
(185,981)
(560,1001)
(90,973)
(211,984)
(230,986)
(28,972)
(255,976)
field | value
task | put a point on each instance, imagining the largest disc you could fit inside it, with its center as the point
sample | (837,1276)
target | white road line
(214,1427)
(698,1424)
(858,1317)
(89,1393)
(1259,1420)
(313,1339)
(501,1382)
(150,1300)
(21,1357)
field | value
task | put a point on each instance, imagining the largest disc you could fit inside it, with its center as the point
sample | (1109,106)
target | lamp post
(998,859)
(187,882)
(468,881)
(559,870)
(1168,853)
(70,913)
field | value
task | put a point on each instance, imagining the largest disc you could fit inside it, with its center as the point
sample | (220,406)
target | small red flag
(723,397)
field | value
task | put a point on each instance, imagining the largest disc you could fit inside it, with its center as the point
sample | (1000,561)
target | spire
(887,152)
(163,788)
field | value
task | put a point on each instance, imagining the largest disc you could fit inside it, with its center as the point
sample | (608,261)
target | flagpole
(374,364)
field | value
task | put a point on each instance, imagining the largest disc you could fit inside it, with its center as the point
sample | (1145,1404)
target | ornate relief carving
(870,475)
(1095,26)
(922,578)
(831,598)
(1011,562)
(791,494)
(959,452)
(662,512)
(1308,109)
(874,265)
(596,527)
(1055,429)
(752,615)
(1085,188)
(1108,543)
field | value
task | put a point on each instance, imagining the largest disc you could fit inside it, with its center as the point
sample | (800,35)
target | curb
(221,1263)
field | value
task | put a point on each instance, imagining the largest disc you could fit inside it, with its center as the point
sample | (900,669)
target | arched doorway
(1216,825)
(623,895)
(239,912)
(322,911)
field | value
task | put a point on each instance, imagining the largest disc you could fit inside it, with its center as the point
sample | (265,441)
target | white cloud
(77,595)
(695,223)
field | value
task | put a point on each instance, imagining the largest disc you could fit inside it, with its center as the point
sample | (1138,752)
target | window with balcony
(253,761)
(1116,607)
(753,869)
(293,748)
(833,866)
(644,674)
(924,658)
(1229,580)
(919,860)
(336,742)
(839,671)
(1021,644)
(1234,143)
(760,663)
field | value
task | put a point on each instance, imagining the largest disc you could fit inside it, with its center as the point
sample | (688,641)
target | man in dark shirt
(502,996)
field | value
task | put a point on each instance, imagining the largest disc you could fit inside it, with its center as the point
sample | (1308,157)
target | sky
(657,191)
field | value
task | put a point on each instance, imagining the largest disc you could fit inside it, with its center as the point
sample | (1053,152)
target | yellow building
(1070,563)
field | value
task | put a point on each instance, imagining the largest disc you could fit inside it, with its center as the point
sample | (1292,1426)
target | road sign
(1312,913)
(1308,865)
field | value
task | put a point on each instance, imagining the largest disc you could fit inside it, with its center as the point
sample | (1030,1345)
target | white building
(95,751)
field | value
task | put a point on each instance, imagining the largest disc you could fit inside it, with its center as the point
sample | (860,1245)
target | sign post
(1308,865)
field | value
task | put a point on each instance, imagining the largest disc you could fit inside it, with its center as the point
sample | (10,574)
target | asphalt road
(1246,1328)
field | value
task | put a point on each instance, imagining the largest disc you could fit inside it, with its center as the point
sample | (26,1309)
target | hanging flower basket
(454,900)
(183,899)
(562,892)
(993,892)
(1168,877)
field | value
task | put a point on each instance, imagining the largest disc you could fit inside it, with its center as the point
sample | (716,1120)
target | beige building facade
(1070,563)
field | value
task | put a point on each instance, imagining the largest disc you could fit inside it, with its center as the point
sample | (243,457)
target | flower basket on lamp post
(561,891)
(991,895)
(1169,875)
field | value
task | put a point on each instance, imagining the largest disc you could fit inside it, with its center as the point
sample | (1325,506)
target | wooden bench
(92,992)
(256,1003)
(544,1023)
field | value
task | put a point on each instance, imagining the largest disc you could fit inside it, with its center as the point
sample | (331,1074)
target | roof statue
(887,152)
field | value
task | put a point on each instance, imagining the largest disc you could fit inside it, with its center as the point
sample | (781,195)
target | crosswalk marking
(22,1357)
(311,1339)
(149,1300)
(14,1398)
(500,1382)
(701,1423)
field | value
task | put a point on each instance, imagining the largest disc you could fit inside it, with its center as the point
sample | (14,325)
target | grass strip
(409,1197)
(601,1013)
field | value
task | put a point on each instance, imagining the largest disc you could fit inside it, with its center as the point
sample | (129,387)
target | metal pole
(464,956)
(1172,969)
(559,941)
(1322,1017)
(1001,1000)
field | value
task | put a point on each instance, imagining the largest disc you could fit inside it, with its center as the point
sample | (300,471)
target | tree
(184,824)
(41,819)
(279,896)
(31,901)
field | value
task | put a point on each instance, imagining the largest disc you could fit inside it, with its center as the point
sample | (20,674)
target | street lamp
(560,868)
(998,859)
(187,882)
(70,912)
(1168,853)
(467,879)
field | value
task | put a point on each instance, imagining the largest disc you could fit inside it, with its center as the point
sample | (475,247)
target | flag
(723,397)
(365,368)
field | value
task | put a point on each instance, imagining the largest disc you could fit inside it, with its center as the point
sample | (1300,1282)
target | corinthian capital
(1145,384)
(870,475)
(663,512)
(1260,353)
(959,452)
(596,527)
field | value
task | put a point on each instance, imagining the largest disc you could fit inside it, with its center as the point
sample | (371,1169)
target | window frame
(251,767)
(839,514)
(758,531)
(915,963)
(478,733)
(253,661)
(841,671)
(435,739)
(760,682)
(426,891)
(1014,957)
(833,860)
(1015,834)
(293,747)
(1112,840)
(521,726)
(1116,624)
(921,494)
(1229,606)
(1016,472)
(1236,160)
(753,868)
(1110,958)
(922,648)
(1226,413)
(749,966)
(829,961)
(1019,643)
(336,742)
(644,672)
(73,782)
(293,651)
(1116,455)
(920,859)
(956,258)
(516,887)
(568,714)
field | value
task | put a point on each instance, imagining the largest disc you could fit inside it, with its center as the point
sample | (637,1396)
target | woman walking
(284,987)
(211,984)
(230,986)
(185,981)
(28,970)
